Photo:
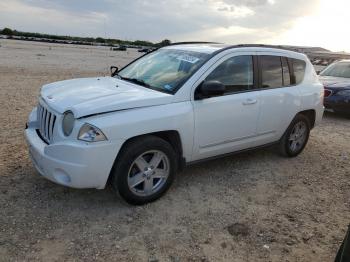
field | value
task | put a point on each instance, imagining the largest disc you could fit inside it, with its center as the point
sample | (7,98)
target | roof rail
(255,45)
(261,45)
(236,46)
(193,42)
(233,46)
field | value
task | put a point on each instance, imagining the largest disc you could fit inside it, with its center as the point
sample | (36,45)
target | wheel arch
(310,115)
(170,136)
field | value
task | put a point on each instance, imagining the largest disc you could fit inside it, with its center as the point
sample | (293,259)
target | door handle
(250,101)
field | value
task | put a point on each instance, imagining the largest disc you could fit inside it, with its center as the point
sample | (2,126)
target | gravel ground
(254,206)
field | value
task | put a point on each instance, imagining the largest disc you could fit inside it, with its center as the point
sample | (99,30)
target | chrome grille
(46,123)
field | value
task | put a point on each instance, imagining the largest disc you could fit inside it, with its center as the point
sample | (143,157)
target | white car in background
(174,106)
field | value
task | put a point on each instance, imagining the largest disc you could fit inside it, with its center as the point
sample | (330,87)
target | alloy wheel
(148,173)
(298,136)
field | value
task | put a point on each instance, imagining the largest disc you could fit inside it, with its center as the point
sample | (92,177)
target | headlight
(344,93)
(68,123)
(91,133)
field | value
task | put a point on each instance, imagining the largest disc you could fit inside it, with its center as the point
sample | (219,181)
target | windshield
(164,70)
(341,69)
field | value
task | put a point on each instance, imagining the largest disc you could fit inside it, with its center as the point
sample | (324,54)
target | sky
(322,23)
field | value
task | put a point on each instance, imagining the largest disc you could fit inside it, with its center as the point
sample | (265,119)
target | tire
(144,170)
(293,141)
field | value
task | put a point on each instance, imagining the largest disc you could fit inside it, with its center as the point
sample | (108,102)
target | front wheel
(295,138)
(145,170)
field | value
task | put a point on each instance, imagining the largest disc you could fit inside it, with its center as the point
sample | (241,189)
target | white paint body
(207,127)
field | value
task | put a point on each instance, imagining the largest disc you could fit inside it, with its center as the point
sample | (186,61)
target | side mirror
(114,70)
(210,88)
(318,72)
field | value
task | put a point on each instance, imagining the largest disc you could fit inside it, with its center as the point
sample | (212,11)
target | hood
(87,96)
(335,82)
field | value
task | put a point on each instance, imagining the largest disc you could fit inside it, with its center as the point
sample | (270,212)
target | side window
(236,73)
(299,69)
(286,73)
(271,71)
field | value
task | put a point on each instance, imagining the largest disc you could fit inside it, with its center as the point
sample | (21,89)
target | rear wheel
(295,138)
(145,170)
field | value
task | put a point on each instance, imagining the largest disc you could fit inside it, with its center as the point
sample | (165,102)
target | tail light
(327,93)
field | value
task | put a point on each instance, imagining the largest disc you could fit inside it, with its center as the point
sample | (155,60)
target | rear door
(279,97)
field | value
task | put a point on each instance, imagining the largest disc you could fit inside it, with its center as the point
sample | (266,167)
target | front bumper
(73,164)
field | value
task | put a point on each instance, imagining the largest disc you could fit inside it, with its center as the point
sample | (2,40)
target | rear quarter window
(299,69)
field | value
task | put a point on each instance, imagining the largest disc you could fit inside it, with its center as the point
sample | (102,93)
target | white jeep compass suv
(171,107)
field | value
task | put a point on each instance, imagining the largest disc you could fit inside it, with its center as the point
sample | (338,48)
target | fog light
(61,177)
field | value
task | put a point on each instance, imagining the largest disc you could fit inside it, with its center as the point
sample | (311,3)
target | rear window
(271,71)
(299,69)
(279,71)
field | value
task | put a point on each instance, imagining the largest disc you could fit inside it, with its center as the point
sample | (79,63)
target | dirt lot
(254,206)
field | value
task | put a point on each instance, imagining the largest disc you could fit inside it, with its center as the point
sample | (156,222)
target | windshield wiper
(144,84)
(136,81)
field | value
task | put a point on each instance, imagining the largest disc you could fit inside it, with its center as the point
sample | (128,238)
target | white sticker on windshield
(187,58)
(168,87)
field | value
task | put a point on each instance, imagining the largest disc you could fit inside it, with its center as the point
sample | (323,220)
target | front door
(228,122)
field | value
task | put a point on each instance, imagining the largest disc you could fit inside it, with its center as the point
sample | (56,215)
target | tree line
(109,41)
